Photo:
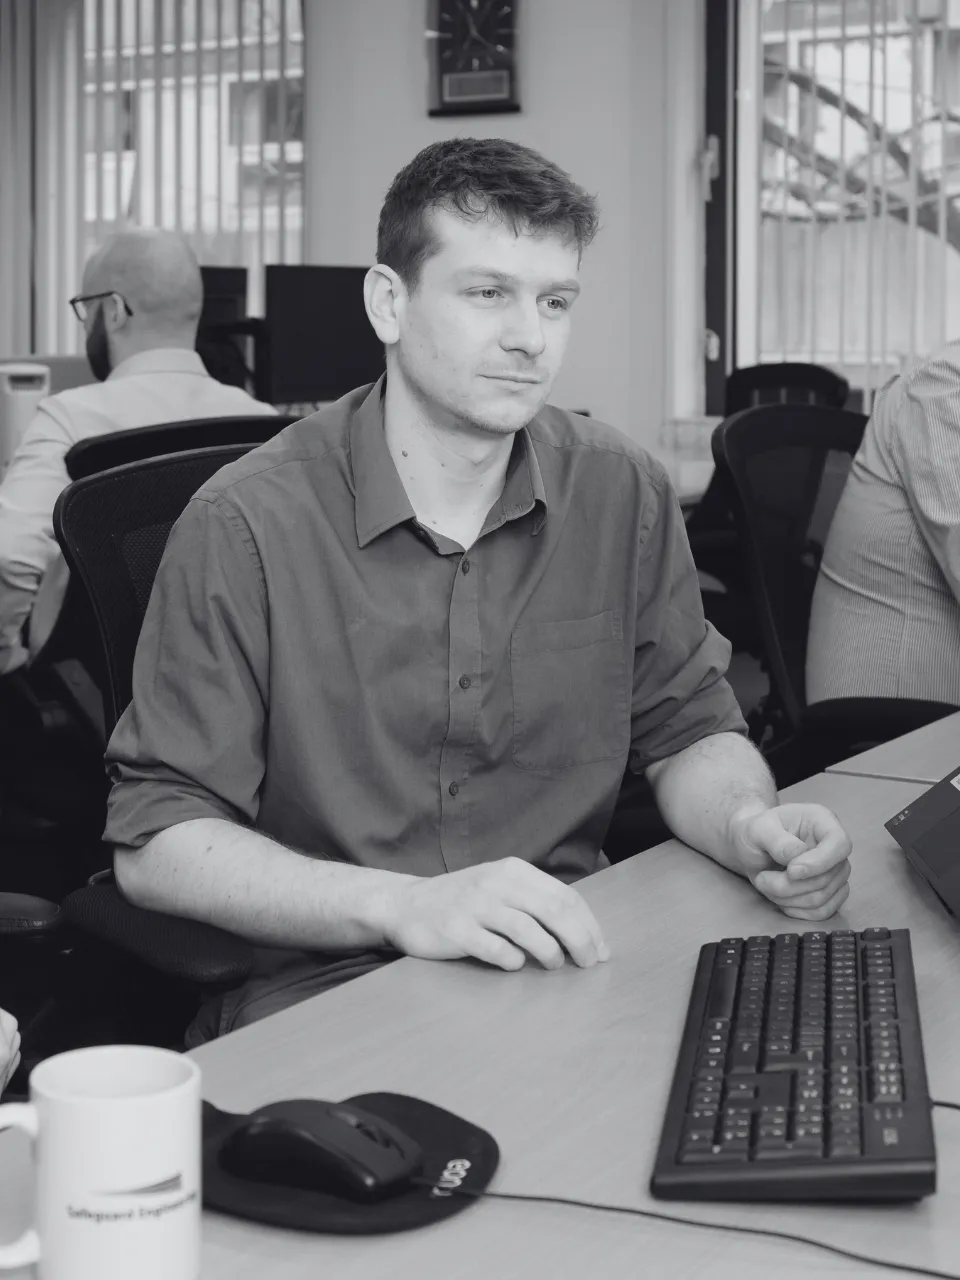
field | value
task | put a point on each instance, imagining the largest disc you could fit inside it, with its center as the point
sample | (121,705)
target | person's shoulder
(241,402)
(286,457)
(938,372)
(93,397)
(81,411)
(589,442)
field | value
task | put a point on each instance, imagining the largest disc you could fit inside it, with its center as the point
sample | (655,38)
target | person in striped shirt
(885,620)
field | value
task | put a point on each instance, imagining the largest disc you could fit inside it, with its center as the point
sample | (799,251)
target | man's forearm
(702,790)
(215,871)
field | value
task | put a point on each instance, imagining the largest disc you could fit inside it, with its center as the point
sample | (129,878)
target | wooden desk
(570,1070)
(925,755)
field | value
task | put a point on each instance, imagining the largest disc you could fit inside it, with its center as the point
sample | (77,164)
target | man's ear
(384,295)
(114,313)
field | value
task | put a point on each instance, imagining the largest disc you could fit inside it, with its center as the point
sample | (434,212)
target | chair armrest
(178,947)
(81,691)
(22,915)
(871,719)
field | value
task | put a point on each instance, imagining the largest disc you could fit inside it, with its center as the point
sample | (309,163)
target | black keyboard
(800,1074)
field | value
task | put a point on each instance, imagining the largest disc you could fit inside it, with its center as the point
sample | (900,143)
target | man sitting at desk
(139,303)
(396,660)
(885,620)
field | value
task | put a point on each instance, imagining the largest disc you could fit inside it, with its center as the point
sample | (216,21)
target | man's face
(482,337)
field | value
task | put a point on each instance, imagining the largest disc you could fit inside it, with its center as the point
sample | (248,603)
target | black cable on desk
(714,1226)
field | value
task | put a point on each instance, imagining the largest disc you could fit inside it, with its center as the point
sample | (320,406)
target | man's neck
(451,474)
(123,349)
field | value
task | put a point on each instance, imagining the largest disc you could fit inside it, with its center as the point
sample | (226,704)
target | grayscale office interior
(480,638)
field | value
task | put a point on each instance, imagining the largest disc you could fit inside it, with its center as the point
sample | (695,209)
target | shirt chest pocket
(569,692)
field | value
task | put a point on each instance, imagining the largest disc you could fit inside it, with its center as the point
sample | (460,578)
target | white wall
(606,89)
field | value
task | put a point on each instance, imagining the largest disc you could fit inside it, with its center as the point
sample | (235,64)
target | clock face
(475,35)
(474,50)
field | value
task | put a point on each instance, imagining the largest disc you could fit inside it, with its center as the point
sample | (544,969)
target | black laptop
(928,831)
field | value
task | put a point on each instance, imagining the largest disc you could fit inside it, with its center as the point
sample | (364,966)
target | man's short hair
(477,178)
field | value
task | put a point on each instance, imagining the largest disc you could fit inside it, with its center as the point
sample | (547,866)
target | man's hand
(798,856)
(9,1048)
(499,912)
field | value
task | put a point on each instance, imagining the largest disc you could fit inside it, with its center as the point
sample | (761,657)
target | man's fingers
(569,920)
(829,908)
(828,843)
(781,888)
(559,909)
(525,932)
(6,1072)
(490,947)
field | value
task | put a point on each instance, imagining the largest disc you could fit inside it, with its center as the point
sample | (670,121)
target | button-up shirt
(317,664)
(167,384)
(885,620)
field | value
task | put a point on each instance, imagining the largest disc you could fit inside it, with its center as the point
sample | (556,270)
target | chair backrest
(785,467)
(112,528)
(101,453)
(787,383)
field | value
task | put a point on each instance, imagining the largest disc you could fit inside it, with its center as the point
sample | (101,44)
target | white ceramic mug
(116,1132)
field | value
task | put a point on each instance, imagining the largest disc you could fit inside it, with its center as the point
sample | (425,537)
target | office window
(193,120)
(255,109)
(848,168)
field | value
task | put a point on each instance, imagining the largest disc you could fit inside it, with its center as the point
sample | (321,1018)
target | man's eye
(563,305)
(489,293)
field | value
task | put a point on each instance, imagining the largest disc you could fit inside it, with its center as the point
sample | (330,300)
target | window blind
(185,114)
(848,231)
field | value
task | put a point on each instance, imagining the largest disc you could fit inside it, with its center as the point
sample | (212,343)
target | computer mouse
(333,1147)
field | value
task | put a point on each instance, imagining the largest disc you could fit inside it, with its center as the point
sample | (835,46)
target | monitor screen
(321,344)
(224,294)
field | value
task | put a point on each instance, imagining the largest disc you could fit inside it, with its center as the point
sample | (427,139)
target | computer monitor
(225,353)
(224,294)
(320,343)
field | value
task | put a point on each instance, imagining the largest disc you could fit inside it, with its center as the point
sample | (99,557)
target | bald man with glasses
(139,304)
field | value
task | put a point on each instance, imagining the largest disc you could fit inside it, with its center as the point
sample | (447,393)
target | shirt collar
(381,500)
(160,360)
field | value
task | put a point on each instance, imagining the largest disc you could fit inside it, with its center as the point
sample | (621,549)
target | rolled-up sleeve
(680,693)
(191,742)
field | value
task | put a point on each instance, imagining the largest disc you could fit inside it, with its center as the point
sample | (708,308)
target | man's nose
(524,331)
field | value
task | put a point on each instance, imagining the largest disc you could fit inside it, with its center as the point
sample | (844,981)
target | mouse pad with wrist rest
(456,1154)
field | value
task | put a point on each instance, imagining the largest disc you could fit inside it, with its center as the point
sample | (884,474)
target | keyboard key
(713,1155)
(723,989)
(698,1131)
(845,1051)
(743,1057)
(740,1092)
(843,1150)
(781,1061)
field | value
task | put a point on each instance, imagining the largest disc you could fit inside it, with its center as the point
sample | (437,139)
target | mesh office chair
(53,709)
(100,453)
(711,528)
(113,528)
(786,383)
(786,466)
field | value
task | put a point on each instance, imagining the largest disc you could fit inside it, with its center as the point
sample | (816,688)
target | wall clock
(472,46)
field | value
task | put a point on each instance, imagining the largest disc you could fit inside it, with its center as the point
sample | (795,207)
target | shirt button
(464,565)
(464,682)
(453,788)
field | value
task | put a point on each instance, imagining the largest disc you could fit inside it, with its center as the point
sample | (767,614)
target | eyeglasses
(81,309)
